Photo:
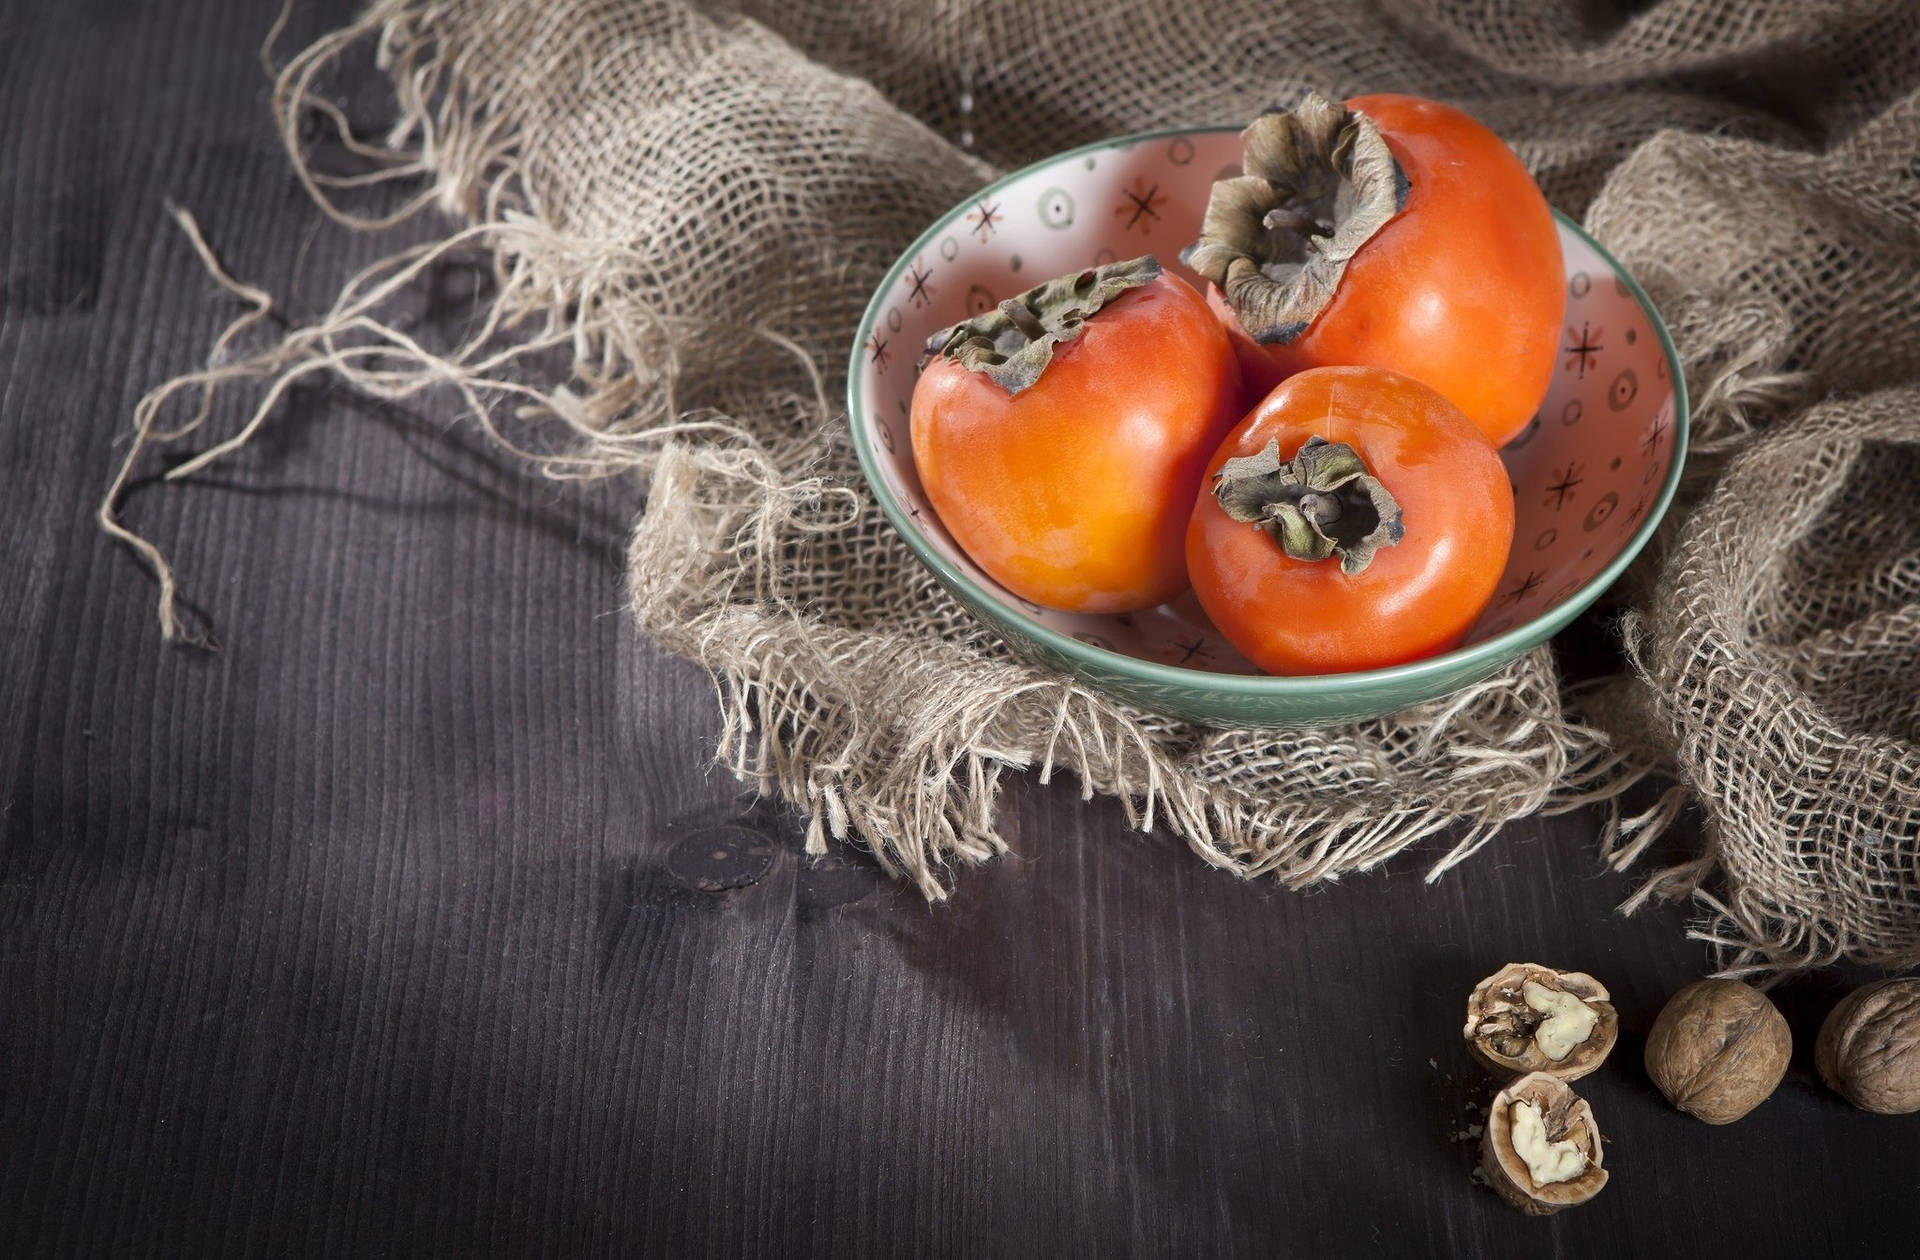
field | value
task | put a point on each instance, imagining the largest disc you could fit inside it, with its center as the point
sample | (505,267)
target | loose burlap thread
(690,205)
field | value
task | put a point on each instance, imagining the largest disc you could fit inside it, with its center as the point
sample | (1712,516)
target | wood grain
(413,922)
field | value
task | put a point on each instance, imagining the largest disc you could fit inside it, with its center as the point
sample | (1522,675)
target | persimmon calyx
(1013,344)
(1319,181)
(1323,502)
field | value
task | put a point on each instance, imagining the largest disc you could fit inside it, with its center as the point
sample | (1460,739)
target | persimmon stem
(1322,509)
(1317,182)
(1295,220)
(1023,319)
(1323,502)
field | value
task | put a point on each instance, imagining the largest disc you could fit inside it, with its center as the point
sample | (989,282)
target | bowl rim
(1487,652)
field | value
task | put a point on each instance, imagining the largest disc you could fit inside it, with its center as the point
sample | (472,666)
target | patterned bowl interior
(1586,471)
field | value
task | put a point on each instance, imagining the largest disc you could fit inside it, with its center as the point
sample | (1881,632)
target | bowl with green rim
(1592,473)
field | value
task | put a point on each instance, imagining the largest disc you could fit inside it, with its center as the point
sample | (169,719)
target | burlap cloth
(689,207)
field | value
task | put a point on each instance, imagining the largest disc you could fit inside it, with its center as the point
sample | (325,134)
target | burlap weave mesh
(637,168)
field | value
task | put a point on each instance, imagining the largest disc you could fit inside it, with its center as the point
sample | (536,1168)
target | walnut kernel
(1869,1047)
(1529,1018)
(1718,1049)
(1541,1151)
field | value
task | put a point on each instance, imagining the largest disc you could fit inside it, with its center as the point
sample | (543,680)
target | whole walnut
(1718,1050)
(1869,1048)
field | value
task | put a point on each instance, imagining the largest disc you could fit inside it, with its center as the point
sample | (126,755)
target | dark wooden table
(380,932)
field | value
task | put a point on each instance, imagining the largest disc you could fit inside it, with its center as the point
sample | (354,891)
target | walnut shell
(1718,1049)
(1567,1118)
(1869,1047)
(1507,1032)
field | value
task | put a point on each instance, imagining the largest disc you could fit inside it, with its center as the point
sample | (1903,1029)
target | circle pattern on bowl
(1586,471)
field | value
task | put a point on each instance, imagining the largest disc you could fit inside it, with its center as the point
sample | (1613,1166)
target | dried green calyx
(1013,344)
(1319,181)
(1323,502)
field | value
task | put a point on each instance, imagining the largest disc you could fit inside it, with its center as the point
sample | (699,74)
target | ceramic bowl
(1592,473)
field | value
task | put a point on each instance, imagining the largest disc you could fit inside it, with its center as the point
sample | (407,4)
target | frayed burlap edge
(918,779)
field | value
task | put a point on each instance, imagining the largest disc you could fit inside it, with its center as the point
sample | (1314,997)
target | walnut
(1541,1151)
(1869,1048)
(1718,1049)
(1529,1018)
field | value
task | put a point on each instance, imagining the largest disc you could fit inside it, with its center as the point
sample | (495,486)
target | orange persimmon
(1390,232)
(1356,519)
(1061,438)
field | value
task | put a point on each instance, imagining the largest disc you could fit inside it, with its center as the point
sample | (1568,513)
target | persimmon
(1356,519)
(1388,232)
(1062,437)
